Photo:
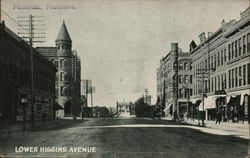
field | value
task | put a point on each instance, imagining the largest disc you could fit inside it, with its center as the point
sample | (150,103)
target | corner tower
(65,82)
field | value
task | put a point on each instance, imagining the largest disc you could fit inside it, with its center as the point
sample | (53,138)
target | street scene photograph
(124,78)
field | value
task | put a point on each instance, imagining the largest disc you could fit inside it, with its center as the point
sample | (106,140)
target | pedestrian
(218,117)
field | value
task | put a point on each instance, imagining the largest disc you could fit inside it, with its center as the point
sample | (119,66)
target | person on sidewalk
(218,117)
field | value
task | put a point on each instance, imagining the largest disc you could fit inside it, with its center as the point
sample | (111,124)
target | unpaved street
(130,137)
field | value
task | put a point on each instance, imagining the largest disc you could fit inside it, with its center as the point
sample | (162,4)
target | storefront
(238,106)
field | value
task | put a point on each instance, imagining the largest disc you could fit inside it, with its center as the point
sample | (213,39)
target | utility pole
(27,24)
(174,47)
(146,95)
(87,92)
(91,89)
(202,72)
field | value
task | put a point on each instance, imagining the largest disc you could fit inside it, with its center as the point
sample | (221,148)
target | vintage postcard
(124,78)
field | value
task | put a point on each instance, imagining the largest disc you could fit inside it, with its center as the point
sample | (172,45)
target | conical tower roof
(63,35)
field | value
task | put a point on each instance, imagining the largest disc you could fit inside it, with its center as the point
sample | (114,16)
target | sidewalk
(237,129)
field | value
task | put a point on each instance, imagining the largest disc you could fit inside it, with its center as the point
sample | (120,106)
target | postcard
(124,78)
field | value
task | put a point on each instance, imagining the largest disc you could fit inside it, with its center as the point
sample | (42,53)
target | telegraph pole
(202,72)
(174,47)
(27,24)
(146,95)
(91,88)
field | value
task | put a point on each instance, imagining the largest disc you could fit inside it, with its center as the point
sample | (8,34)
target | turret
(63,40)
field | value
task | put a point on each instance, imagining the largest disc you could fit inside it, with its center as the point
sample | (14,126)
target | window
(219,83)
(180,93)
(229,78)
(225,55)
(187,95)
(61,76)
(191,79)
(248,73)
(215,84)
(225,81)
(248,43)
(212,86)
(66,63)
(236,48)
(232,78)
(244,44)
(232,50)
(236,77)
(218,58)
(209,86)
(186,79)
(205,64)
(229,52)
(244,74)
(240,46)
(180,79)
(240,76)
(221,57)
(186,66)
(180,66)
(61,90)
(61,63)
(214,61)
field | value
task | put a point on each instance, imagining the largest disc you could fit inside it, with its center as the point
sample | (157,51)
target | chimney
(209,34)
(202,37)
(223,23)
(174,46)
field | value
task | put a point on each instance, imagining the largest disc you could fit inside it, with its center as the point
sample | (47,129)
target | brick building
(223,58)
(165,77)
(15,81)
(68,76)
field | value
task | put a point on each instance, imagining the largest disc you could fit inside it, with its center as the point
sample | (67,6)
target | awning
(241,93)
(58,106)
(234,101)
(209,102)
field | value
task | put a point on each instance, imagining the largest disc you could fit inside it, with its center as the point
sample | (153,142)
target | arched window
(186,66)
(180,66)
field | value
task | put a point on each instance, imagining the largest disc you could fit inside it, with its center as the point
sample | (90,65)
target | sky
(121,42)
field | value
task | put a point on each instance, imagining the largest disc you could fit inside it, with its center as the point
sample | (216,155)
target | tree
(142,109)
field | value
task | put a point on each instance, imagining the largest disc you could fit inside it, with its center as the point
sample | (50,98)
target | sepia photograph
(124,78)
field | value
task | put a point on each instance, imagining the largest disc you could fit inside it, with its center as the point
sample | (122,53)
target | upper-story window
(236,48)
(180,66)
(248,43)
(221,55)
(232,48)
(225,55)
(244,44)
(186,66)
(218,58)
(180,78)
(240,44)
(229,52)
(186,79)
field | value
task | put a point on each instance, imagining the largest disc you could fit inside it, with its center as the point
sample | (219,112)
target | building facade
(15,81)
(68,76)
(166,82)
(221,70)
